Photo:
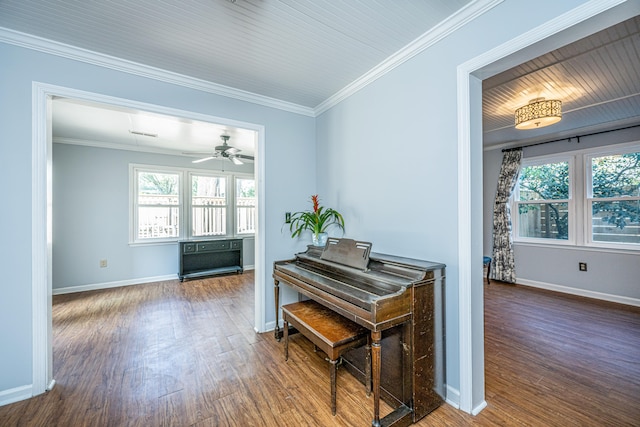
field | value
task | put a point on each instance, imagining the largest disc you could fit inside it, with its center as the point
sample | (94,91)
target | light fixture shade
(538,113)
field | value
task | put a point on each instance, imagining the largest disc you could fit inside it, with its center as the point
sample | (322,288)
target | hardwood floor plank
(186,354)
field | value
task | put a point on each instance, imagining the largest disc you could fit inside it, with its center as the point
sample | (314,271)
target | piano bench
(328,331)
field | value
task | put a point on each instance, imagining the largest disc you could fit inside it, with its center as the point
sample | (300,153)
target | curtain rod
(577,137)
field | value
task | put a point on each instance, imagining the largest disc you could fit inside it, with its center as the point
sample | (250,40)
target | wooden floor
(185,354)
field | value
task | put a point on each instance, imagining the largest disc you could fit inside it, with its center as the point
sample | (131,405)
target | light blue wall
(289,175)
(387,155)
(91,217)
(610,273)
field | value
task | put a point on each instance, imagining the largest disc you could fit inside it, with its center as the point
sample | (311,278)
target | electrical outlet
(582,266)
(103,263)
(287,217)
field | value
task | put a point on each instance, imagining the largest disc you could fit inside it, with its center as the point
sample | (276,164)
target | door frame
(42,200)
(566,28)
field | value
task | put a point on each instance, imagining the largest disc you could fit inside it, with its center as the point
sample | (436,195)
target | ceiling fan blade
(244,156)
(235,160)
(232,150)
(203,159)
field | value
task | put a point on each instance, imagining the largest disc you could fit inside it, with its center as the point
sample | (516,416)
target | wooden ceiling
(304,52)
(596,78)
(299,51)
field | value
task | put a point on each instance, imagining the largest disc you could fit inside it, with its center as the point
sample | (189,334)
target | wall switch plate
(582,266)
(103,263)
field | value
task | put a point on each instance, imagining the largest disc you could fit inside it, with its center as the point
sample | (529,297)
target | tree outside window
(543,201)
(606,210)
(615,198)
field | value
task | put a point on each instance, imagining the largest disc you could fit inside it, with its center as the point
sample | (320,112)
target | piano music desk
(328,331)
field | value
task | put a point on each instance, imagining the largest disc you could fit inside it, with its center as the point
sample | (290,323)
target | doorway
(575,24)
(42,239)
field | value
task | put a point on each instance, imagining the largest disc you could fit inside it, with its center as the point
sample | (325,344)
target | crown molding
(431,37)
(83,55)
(460,18)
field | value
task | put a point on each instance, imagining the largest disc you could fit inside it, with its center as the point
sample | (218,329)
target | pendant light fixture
(538,113)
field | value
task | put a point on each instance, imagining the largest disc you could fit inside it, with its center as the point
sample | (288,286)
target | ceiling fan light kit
(538,113)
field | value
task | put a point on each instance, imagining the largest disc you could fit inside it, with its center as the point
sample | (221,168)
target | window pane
(616,222)
(616,176)
(157,222)
(209,206)
(245,205)
(543,220)
(208,221)
(157,188)
(158,205)
(208,191)
(544,182)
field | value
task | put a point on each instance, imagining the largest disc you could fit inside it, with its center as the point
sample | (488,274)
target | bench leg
(286,340)
(332,374)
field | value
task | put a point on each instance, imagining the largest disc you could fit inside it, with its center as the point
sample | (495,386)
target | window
(585,198)
(543,196)
(158,205)
(208,206)
(613,197)
(245,206)
(168,204)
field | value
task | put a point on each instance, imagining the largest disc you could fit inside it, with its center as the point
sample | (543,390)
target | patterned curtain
(503,267)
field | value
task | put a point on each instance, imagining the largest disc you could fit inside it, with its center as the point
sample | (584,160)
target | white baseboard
(475,411)
(119,283)
(580,292)
(270,326)
(15,394)
(453,397)
(116,284)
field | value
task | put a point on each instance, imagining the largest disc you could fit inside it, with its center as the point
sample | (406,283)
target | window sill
(574,247)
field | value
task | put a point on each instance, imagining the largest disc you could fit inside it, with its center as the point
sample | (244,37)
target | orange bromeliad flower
(316,221)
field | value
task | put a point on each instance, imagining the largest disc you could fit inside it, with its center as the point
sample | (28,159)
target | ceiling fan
(226,151)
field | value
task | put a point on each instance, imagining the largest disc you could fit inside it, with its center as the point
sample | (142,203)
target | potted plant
(316,221)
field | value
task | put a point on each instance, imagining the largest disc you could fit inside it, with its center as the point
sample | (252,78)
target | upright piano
(400,300)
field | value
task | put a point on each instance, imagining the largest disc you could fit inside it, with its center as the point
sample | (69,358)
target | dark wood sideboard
(200,258)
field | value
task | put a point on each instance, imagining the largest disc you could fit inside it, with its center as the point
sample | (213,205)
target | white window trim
(579,199)
(588,155)
(571,205)
(228,208)
(185,203)
(235,192)
(133,203)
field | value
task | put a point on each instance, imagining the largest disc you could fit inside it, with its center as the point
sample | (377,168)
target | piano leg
(375,366)
(276,297)
(367,366)
(286,340)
